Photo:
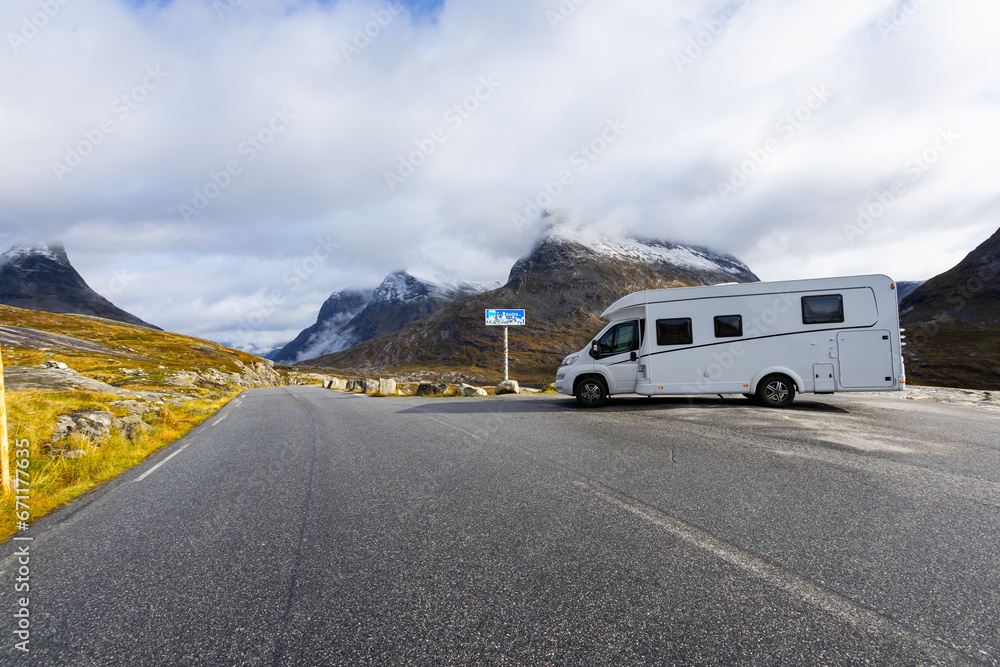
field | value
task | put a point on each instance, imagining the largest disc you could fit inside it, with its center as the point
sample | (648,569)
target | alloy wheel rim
(777,392)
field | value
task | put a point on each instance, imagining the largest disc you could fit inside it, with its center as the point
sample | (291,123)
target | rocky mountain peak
(344,301)
(41,277)
(560,249)
(21,254)
(400,286)
(351,317)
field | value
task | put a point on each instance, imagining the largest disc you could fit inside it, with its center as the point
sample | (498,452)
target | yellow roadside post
(4,454)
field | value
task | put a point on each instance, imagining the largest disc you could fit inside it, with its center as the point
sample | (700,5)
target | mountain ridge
(350,317)
(563,283)
(41,277)
(952,323)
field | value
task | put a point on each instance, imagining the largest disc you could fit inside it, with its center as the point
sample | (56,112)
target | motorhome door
(618,351)
(866,359)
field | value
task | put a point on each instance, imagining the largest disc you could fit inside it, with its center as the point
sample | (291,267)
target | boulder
(369,386)
(469,390)
(131,426)
(55,364)
(93,425)
(508,387)
(386,386)
(431,388)
(406,388)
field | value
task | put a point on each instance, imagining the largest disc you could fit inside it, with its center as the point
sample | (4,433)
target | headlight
(570,360)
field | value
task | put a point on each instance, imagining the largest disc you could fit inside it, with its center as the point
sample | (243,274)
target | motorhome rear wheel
(776,391)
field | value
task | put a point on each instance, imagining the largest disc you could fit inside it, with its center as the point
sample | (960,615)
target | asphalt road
(308,527)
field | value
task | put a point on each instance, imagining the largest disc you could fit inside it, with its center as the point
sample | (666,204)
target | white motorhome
(764,340)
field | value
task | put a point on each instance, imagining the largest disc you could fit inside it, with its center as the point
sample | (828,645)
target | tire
(591,392)
(776,391)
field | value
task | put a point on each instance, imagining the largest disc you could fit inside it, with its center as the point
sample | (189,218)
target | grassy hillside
(118,347)
(160,385)
(943,354)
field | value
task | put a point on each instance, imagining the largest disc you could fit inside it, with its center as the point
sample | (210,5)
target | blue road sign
(504,318)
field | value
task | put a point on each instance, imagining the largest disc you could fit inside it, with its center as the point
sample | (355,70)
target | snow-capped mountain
(351,317)
(564,284)
(18,254)
(401,287)
(642,260)
(40,277)
(331,332)
(651,251)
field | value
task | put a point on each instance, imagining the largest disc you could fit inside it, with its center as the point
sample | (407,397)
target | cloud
(209,148)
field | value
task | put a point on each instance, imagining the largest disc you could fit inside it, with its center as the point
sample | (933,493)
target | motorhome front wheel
(591,393)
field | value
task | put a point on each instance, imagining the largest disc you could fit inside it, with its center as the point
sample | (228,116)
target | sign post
(505,318)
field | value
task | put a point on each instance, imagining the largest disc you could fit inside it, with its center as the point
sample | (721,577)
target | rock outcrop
(257,374)
(93,425)
(96,427)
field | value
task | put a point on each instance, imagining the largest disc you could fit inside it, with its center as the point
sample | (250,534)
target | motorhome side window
(728,326)
(674,332)
(822,309)
(618,339)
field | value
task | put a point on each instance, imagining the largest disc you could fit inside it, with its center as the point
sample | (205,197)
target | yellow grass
(133,358)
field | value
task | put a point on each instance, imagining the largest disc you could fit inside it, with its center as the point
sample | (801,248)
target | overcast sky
(218,167)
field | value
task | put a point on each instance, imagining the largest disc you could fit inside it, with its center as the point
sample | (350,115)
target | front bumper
(562,386)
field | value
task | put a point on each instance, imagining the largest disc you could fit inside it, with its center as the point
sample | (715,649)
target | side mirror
(633,357)
(594,351)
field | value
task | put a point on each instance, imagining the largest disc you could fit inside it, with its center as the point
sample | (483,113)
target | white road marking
(220,420)
(153,469)
(771,574)
(777,577)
